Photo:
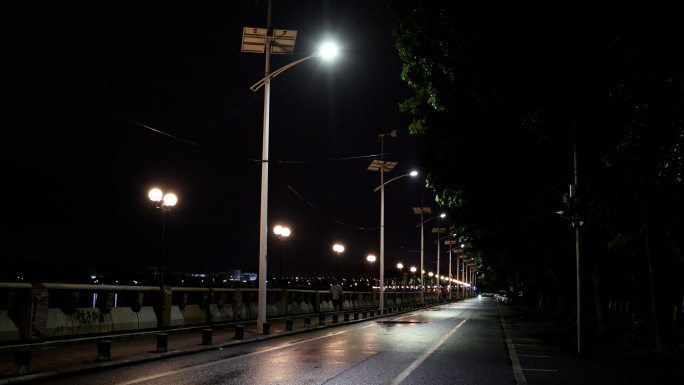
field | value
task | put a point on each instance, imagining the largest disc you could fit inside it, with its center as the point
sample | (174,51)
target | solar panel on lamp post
(256,40)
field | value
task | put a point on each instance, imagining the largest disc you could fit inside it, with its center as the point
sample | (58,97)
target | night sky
(81,82)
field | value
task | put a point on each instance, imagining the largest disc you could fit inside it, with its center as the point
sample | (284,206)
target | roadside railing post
(162,343)
(206,336)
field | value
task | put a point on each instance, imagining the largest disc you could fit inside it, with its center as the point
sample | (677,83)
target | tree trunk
(661,344)
(599,299)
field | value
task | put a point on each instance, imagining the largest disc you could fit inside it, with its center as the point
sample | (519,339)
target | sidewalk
(546,349)
(79,357)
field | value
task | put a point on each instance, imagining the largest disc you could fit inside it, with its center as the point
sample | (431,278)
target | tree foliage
(500,97)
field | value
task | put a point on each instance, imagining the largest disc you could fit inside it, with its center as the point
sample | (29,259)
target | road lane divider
(402,376)
(517,369)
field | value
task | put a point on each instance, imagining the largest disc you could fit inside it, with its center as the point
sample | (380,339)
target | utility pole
(576,223)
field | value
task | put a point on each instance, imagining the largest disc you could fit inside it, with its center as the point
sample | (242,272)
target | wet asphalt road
(460,343)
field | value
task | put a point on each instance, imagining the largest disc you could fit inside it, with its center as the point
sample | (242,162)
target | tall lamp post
(400,266)
(413,270)
(338,249)
(282,233)
(384,166)
(438,230)
(421,210)
(370,259)
(163,205)
(256,40)
(450,242)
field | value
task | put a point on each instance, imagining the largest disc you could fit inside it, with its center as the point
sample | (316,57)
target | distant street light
(282,233)
(450,242)
(438,230)
(371,259)
(338,249)
(256,40)
(421,211)
(413,270)
(400,266)
(163,205)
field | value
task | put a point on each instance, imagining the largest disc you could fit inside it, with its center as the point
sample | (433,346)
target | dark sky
(77,167)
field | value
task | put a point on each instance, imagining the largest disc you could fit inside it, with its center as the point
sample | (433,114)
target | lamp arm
(418,225)
(400,176)
(277,72)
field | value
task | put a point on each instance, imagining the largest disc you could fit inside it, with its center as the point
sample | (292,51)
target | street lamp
(438,230)
(400,266)
(431,275)
(371,259)
(338,249)
(256,40)
(413,270)
(282,233)
(163,205)
(384,166)
(450,242)
(421,210)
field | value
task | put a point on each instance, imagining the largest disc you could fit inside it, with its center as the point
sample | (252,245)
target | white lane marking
(517,370)
(401,377)
(530,355)
(542,370)
(139,380)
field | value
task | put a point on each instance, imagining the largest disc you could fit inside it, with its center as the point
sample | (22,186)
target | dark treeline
(502,94)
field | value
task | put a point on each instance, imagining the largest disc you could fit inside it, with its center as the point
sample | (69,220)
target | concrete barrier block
(193,315)
(147,318)
(89,321)
(272,311)
(279,306)
(122,319)
(245,312)
(59,324)
(306,309)
(224,314)
(176,317)
(253,310)
(8,330)
(296,308)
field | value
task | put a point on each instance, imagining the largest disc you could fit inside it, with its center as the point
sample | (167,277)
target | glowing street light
(371,259)
(338,249)
(256,40)
(282,233)
(163,205)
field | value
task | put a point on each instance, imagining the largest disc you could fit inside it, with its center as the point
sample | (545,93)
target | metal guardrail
(100,288)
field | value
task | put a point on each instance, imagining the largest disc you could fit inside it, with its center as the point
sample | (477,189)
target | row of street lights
(257,40)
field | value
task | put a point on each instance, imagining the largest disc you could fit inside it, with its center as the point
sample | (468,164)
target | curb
(177,353)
